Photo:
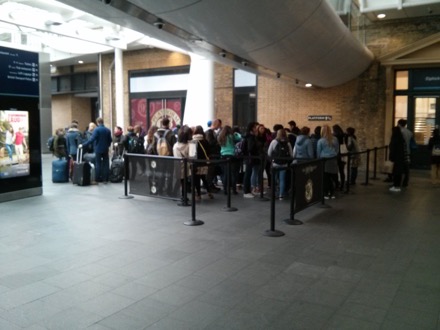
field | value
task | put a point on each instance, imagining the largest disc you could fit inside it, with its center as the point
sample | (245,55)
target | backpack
(281,151)
(135,146)
(163,147)
(50,143)
(241,148)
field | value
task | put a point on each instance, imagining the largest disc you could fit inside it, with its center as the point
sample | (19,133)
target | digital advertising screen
(14,143)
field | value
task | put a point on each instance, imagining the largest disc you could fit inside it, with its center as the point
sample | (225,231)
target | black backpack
(281,154)
(135,145)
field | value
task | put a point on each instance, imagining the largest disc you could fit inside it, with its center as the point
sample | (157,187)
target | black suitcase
(81,171)
(60,171)
(117,170)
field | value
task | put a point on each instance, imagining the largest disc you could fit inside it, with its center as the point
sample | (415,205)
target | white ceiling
(302,40)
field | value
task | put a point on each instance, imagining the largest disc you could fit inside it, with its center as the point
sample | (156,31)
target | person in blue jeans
(102,139)
(280,165)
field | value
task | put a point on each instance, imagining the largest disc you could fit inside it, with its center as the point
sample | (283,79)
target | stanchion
(367,171)
(126,175)
(228,207)
(292,220)
(193,221)
(272,232)
(348,180)
(323,204)
(260,197)
(184,199)
(375,165)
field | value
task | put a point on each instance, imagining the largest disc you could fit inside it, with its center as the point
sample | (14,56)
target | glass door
(426,118)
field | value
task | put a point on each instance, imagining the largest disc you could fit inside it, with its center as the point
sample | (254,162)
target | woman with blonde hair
(278,144)
(328,148)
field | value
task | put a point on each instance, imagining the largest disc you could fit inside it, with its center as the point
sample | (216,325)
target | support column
(199,106)
(119,89)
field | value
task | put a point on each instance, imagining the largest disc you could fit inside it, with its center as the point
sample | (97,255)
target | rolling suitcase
(60,170)
(117,170)
(81,171)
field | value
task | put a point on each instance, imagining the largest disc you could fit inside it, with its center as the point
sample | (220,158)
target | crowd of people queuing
(244,149)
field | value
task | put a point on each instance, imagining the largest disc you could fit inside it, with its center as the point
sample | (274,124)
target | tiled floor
(81,257)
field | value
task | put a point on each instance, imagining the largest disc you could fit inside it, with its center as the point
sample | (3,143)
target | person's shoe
(281,198)
(332,196)
(210,196)
(248,195)
(198,198)
(395,189)
(326,197)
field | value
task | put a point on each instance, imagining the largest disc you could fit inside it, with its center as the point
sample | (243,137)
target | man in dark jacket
(102,139)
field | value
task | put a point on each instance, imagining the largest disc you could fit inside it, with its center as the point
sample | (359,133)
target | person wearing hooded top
(200,170)
(303,149)
(181,150)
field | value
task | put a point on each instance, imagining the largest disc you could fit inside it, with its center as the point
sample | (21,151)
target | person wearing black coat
(434,148)
(399,156)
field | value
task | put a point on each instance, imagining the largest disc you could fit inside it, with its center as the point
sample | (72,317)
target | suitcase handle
(79,155)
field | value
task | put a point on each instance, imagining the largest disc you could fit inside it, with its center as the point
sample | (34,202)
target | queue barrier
(160,177)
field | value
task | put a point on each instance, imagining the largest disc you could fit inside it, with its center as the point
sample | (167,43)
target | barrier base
(261,199)
(126,197)
(184,203)
(293,222)
(325,206)
(273,233)
(193,223)
(229,209)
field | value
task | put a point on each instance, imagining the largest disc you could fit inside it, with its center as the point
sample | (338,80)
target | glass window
(424,119)
(401,80)
(400,108)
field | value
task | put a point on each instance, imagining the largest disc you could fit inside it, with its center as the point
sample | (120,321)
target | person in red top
(20,144)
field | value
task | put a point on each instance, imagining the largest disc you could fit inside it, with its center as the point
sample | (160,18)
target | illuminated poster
(161,108)
(14,143)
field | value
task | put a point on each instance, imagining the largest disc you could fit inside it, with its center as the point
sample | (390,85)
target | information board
(19,72)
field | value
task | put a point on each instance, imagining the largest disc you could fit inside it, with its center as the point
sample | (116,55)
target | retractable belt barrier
(167,177)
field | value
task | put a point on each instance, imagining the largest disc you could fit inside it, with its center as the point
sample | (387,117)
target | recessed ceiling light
(308,85)
(381,16)
(80,62)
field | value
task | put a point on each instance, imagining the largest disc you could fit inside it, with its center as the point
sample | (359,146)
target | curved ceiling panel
(300,39)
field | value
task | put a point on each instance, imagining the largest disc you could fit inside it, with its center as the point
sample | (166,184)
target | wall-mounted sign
(19,75)
(320,118)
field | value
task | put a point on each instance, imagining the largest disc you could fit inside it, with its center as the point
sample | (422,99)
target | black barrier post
(367,171)
(193,221)
(126,175)
(348,179)
(375,165)
(323,204)
(184,199)
(261,197)
(292,220)
(228,207)
(272,232)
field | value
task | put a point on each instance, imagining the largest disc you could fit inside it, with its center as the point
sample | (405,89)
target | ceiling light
(80,62)
(159,24)
(308,85)
(381,16)
(244,63)
(222,53)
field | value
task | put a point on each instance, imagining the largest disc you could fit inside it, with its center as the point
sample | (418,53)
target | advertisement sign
(14,143)
(308,184)
(155,176)
(165,108)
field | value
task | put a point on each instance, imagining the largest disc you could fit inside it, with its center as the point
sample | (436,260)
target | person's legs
(405,175)
(255,182)
(98,168)
(353,175)
(282,182)
(105,167)
(247,178)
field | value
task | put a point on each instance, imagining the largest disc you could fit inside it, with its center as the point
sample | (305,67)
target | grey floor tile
(26,294)
(415,318)
(175,295)
(134,291)
(106,304)
(72,318)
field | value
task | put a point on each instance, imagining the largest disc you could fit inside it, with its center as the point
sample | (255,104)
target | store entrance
(426,117)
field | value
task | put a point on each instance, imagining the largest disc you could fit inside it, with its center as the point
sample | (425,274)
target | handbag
(202,170)
(388,167)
